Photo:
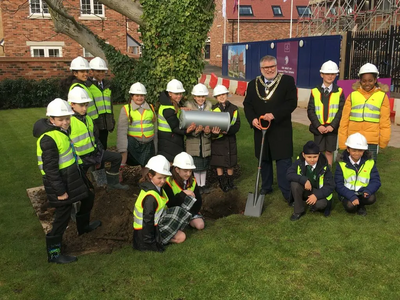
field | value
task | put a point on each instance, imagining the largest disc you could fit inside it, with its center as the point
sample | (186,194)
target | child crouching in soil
(154,225)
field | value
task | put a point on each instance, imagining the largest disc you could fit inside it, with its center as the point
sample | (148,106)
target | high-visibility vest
(233,121)
(82,135)
(138,210)
(333,107)
(162,122)
(66,155)
(176,189)
(142,124)
(366,109)
(354,180)
(320,179)
(101,103)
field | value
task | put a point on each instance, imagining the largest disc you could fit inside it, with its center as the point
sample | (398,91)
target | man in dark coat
(273,97)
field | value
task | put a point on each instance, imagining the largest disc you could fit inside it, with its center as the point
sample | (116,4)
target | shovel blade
(254,208)
(100,177)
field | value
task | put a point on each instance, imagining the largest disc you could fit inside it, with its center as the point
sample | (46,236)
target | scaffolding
(327,17)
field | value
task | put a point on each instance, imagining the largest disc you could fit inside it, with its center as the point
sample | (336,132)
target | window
(303,11)
(87,53)
(246,10)
(46,51)
(38,7)
(92,7)
(277,11)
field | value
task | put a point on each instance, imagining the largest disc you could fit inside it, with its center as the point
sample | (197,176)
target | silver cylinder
(205,118)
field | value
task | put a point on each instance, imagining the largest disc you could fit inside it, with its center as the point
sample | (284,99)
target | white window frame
(86,53)
(38,15)
(46,46)
(92,14)
(46,50)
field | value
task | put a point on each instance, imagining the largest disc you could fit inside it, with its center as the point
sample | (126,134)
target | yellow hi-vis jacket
(66,155)
(366,109)
(176,189)
(82,135)
(355,181)
(334,100)
(142,124)
(138,210)
(101,103)
(162,122)
(320,180)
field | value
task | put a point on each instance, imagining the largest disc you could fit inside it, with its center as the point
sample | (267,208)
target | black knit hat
(310,148)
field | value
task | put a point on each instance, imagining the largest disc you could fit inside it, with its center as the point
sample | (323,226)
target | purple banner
(347,89)
(286,55)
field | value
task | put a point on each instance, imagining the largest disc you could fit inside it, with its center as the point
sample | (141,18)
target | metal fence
(382,48)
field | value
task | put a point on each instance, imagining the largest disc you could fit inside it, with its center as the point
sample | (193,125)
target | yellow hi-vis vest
(334,100)
(366,109)
(138,210)
(82,135)
(142,124)
(353,180)
(66,155)
(162,122)
(320,181)
(176,189)
(233,121)
(101,103)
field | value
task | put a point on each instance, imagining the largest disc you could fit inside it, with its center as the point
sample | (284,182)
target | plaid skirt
(201,163)
(139,153)
(174,219)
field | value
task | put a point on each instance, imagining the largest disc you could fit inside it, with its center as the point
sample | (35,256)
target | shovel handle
(259,122)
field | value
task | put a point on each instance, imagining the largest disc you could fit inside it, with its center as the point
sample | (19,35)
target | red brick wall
(19,28)
(33,68)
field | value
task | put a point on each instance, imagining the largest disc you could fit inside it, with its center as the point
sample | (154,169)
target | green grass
(340,257)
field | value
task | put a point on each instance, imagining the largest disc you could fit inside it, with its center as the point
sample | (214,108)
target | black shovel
(255,202)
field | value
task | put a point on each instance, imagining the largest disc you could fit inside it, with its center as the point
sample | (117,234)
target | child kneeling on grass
(154,225)
(311,182)
(64,181)
(182,184)
(356,177)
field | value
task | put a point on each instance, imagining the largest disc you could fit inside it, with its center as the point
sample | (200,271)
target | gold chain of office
(268,93)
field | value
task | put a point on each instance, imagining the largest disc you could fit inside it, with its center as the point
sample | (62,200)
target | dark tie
(269,82)
(309,168)
(100,84)
(357,166)
(326,91)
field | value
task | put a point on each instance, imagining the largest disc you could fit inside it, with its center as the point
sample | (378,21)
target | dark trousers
(62,215)
(349,207)
(114,158)
(267,174)
(300,196)
(103,137)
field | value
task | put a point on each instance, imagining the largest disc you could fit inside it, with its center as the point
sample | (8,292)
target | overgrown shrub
(24,93)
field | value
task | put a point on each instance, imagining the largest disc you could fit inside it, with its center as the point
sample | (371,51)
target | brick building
(29,38)
(259,20)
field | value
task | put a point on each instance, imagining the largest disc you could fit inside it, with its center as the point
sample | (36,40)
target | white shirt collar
(353,162)
(329,87)
(312,166)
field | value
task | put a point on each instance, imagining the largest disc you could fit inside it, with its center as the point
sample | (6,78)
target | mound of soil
(114,208)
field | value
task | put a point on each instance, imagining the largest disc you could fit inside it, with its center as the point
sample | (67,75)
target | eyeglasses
(268,67)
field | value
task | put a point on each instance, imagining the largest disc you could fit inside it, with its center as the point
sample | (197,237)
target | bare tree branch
(129,8)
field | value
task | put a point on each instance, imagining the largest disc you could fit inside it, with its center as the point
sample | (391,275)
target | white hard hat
(59,108)
(175,86)
(159,164)
(368,68)
(137,89)
(357,141)
(98,63)
(79,63)
(329,67)
(184,161)
(219,90)
(200,90)
(78,95)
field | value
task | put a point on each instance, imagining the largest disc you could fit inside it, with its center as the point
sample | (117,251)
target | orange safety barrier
(203,78)
(241,88)
(392,112)
(225,82)
(213,80)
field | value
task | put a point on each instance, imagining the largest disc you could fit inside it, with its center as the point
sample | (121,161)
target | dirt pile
(114,209)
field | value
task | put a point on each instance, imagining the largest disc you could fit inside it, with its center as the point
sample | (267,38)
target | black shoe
(265,192)
(53,245)
(83,224)
(201,190)
(205,190)
(295,217)
(362,211)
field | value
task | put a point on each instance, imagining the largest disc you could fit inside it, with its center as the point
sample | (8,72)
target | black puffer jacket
(57,182)
(170,143)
